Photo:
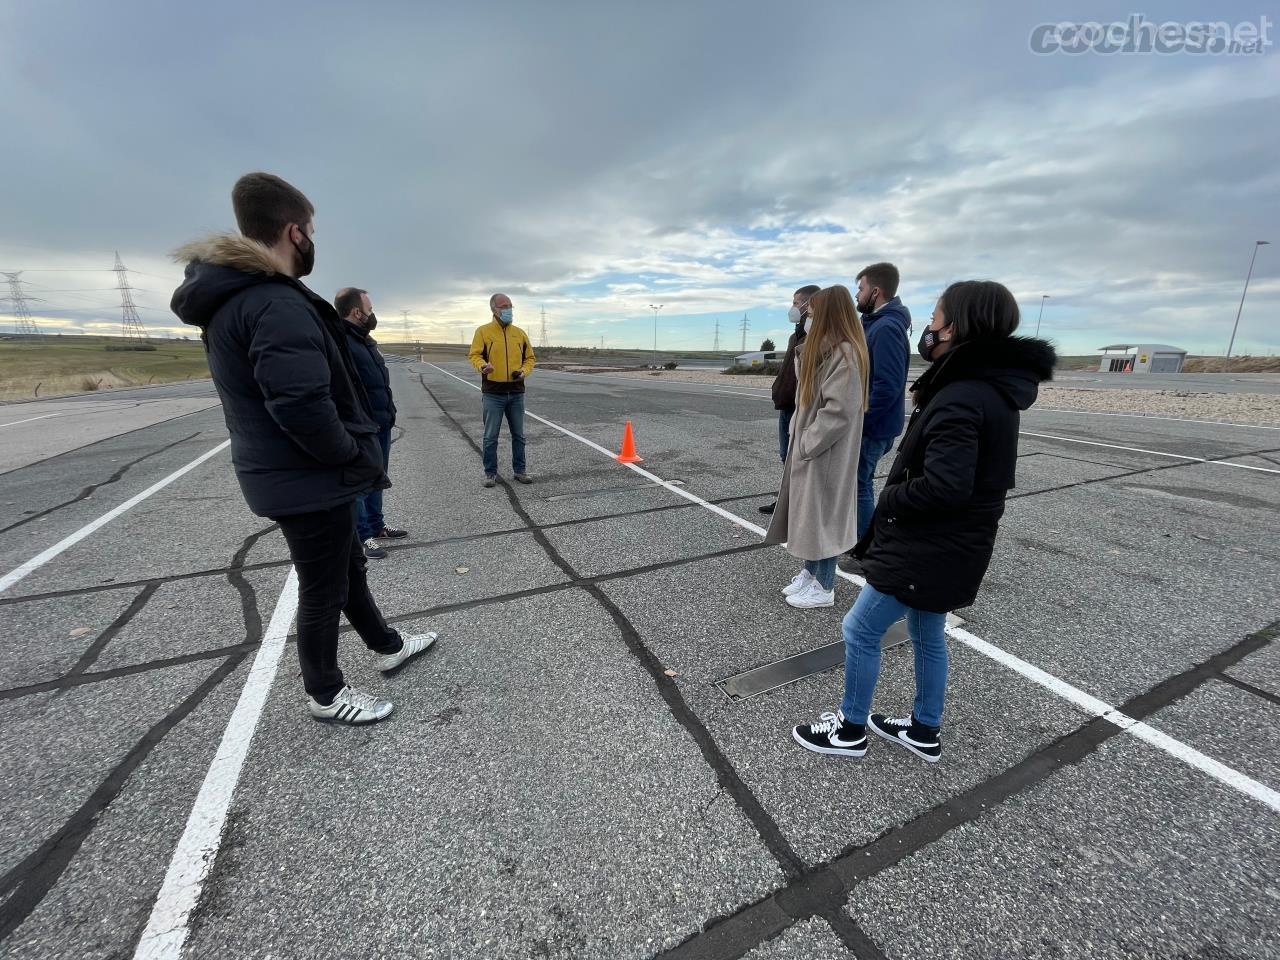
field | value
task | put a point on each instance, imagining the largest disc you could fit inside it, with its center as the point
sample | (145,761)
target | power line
(745,325)
(542,341)
(404,315)
(717,345)
(23,325)
(131,322)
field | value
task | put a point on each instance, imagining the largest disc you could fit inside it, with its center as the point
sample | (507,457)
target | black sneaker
(373,550)
(768,507)
(849,563)
(390,533)
(923,741)
(832,735)
(490,480)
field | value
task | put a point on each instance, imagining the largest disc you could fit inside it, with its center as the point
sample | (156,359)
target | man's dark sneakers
(849,564)
(523,478)
(832,735)
(390,533)
(373,550)
(768,507)
(490,479)
(923,741)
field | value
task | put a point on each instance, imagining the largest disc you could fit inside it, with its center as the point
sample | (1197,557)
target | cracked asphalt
(561,777)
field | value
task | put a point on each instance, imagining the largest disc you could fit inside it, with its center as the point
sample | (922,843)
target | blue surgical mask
(504,316)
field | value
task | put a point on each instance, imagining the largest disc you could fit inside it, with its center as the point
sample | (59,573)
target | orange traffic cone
(628,454)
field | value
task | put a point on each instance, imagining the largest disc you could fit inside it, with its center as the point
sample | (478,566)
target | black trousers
(331,580)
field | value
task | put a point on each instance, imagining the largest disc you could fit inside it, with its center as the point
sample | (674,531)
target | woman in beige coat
(817,511)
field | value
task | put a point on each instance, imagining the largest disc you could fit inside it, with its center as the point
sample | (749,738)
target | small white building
(1142,358)
(758,358)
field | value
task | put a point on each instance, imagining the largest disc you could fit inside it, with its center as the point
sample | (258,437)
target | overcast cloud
(594,158)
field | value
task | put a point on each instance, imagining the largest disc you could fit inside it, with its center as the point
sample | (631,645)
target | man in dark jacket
(887,325)
(303,439)
(786,382)
(353,306)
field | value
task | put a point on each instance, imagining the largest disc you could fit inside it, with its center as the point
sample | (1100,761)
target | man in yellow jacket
(502,353)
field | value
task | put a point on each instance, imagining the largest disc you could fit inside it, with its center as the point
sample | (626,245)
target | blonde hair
(835,326)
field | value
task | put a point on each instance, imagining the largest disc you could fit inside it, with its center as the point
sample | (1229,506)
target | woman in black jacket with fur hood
(935,523)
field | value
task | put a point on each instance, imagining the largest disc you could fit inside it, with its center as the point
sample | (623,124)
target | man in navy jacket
(354,306)
(887,324)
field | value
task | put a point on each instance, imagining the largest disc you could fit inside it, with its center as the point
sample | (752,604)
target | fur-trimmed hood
(218,267)
(1016,366)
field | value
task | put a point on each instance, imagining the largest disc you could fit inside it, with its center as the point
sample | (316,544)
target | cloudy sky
(593,158)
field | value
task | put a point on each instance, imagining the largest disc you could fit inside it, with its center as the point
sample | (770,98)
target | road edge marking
(169,924)
(20,573)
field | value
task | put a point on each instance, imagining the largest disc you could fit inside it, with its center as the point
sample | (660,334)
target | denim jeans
(869,457)
(496,406)
(331,581)
(864,626)
(824,571)
(369,519)
(784,432)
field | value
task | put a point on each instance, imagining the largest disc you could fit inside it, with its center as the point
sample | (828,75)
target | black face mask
(370,322)
(309,257)
(870,306)
(928,340)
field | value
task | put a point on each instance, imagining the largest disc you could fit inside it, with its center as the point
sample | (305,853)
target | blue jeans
(784,432)
(872,452)
(864,626)
(824,571)
(369,519)
(496,406)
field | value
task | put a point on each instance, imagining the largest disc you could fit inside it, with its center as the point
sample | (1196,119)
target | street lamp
(1256,245)
(1043,298)
(655,307)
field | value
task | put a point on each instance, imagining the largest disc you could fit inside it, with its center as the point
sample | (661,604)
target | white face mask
(794,315)
(808,323)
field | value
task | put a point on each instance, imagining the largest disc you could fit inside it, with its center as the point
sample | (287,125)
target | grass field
(60,365)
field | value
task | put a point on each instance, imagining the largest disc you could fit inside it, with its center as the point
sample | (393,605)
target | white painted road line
(1189,755)
(1086,702)
(29,419)
(169,925)
(40,559)
(1154,453)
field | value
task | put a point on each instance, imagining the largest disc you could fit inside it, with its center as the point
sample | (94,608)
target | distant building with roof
(1142,358)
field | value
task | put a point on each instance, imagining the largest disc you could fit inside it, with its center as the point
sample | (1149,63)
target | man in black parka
(303,439)
(356,309)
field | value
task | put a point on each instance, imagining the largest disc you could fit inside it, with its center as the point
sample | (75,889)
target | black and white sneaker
(352,707)
(832,735)
(923,741)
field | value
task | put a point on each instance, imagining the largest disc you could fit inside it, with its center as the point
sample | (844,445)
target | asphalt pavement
(562,777)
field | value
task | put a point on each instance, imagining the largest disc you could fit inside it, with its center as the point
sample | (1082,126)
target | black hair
(347,300)
(265,205)
(979,310)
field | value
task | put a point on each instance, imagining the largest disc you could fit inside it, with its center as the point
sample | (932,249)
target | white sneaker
(813,596)
(798,583)
(352,707)
(409,647)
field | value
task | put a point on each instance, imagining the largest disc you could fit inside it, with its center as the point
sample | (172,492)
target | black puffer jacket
(372,370)
(935,523)
(302,435)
